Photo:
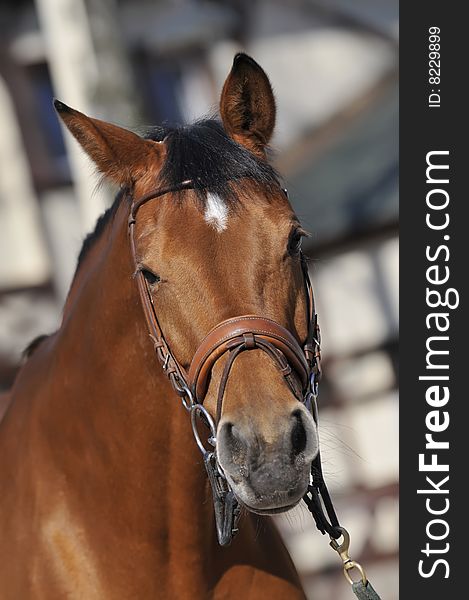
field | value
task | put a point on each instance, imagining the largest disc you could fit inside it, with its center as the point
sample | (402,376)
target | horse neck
(119,417)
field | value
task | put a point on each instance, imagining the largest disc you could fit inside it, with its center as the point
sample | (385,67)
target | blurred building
(333,65)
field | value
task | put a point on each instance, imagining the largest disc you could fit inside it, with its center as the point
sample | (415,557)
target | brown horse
(103,491)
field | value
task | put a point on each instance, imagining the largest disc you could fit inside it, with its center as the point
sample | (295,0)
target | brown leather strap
(224,380)
(136,204)
(234,332)
(172,368)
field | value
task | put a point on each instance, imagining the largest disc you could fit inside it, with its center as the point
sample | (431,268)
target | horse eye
(294,243)
(151,278)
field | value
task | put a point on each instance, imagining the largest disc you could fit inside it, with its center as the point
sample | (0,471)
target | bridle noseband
(300,367)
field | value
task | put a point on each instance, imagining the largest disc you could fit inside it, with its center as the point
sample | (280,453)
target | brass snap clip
(348,563)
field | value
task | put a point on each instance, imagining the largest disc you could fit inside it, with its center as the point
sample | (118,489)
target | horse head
(222,245)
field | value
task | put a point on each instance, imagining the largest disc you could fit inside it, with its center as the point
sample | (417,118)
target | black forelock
(204,153)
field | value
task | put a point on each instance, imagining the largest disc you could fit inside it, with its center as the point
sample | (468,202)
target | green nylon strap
(364,591)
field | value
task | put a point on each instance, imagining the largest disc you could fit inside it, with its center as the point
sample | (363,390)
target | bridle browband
(299,365)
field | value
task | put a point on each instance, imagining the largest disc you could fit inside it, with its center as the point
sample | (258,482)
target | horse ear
(247,104)
(119,154)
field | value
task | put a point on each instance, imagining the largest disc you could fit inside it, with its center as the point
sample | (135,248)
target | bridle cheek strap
(245,333)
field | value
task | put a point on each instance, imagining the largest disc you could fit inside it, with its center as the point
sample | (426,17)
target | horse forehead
(217,214)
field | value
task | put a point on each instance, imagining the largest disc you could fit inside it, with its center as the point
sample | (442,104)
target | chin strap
(317,498)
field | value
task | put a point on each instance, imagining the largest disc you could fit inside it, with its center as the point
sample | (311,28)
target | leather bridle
(299,365)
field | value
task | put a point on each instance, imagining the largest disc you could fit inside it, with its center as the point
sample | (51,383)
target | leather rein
(299,365)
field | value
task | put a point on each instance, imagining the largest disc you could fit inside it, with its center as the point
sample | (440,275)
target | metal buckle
(311,398)
(314,384)
(311,405)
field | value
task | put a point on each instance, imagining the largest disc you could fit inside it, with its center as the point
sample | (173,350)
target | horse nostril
(298,434)
(232,447)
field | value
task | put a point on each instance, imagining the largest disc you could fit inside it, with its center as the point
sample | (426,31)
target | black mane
(204,153)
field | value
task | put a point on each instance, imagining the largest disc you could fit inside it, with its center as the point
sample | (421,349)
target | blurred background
(333,65)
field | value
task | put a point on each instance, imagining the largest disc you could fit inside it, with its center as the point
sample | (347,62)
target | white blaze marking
(216,212)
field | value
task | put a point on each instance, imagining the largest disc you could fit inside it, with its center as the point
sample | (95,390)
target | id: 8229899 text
(434,69)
